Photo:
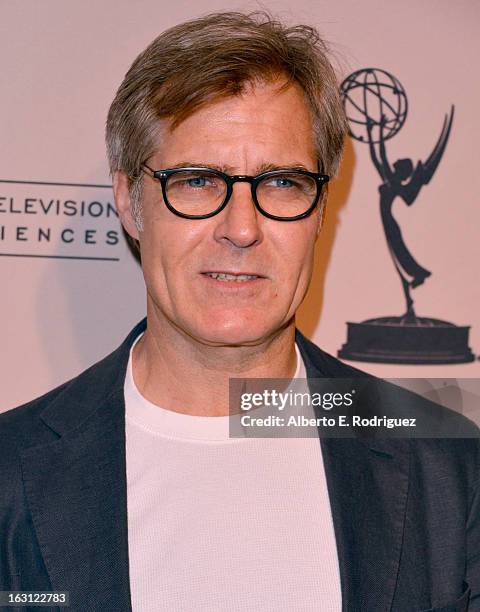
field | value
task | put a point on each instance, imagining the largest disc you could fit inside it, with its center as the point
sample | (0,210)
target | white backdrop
(61,63)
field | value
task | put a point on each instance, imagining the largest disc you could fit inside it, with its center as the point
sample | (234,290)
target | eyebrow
(226,169)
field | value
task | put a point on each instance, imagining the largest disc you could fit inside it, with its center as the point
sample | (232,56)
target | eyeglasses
(200,193)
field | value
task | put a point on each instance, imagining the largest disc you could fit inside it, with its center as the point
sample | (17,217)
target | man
(123,486)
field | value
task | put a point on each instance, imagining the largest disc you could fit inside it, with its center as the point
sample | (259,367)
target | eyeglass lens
(202,192)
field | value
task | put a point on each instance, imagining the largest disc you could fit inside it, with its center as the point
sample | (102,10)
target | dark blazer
(406,512)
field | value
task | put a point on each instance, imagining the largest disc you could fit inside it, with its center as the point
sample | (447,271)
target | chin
(234,329)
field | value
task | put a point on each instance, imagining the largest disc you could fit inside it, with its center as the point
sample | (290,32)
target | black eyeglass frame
(230,180)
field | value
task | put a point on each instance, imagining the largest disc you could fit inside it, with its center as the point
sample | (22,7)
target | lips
(235,277)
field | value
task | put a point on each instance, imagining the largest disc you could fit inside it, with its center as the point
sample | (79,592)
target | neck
(181,373)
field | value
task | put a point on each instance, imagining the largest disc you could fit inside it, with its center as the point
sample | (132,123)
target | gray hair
(198,62)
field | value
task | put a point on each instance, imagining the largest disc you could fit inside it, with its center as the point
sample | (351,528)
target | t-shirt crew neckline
(140,412)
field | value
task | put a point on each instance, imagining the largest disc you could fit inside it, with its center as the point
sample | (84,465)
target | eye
(282,182)
(193,181)
(287,182)
(288,185)
(197,181)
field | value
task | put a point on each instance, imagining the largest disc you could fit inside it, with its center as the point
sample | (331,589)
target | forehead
(266,119)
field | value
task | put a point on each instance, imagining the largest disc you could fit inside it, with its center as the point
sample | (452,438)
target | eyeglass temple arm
(148,168)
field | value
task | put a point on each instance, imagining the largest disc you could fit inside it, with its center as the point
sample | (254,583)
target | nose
(239,221)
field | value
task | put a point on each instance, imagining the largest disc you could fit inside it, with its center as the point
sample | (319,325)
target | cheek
(169,244)
(297,247)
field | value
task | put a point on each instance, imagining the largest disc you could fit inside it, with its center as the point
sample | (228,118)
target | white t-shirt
(225,524)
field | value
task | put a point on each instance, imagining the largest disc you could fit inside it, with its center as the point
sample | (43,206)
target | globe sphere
(375,104)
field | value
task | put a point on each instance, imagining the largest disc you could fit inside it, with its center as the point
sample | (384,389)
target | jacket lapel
(76,490)
(76,487)
(368,495)
(367,480)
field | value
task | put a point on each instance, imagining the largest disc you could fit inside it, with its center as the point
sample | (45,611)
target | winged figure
(405,181)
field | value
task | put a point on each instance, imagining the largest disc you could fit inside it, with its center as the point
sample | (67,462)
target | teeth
(231,277)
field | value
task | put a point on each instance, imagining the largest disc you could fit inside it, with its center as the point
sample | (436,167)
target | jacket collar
(77,492)
(85,395)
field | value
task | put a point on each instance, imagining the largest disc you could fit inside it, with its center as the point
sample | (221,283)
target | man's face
(239,135)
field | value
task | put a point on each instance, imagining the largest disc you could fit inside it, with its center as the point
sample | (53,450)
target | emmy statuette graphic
(376,106)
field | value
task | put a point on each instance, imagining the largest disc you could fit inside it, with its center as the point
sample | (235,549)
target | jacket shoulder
(23,425)
(326,364)
(437,422)
(18,422)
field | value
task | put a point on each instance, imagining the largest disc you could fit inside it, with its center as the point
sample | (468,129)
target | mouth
(233,277)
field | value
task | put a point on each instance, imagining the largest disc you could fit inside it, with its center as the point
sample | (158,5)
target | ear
(123,203)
